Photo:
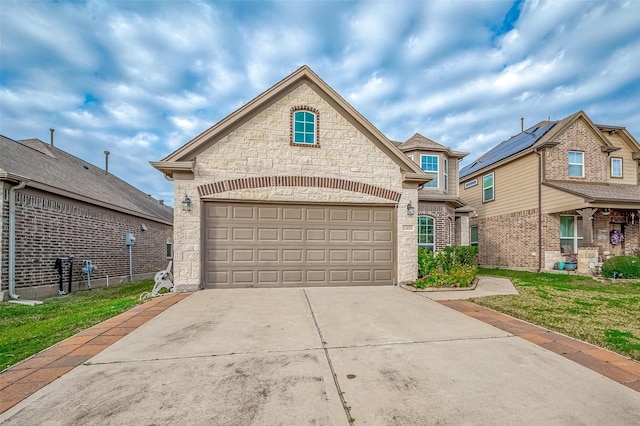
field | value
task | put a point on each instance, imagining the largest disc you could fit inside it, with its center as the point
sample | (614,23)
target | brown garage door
(285,245)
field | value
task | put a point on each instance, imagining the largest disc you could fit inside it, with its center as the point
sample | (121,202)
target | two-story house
(559,191)
(443,217)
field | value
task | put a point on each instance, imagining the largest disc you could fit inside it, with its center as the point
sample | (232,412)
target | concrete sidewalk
(294,356)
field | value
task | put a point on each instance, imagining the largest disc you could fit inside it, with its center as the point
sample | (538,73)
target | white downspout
(12,239)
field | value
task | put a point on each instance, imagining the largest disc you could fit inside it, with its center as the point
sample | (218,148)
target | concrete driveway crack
(325,347)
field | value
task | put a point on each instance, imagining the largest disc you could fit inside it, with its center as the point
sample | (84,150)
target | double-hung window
(570,232)
(616,167)
(576,164)
(488,193)
(429,163)
(426,232)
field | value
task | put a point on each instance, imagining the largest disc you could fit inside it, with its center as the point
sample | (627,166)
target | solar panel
(509,147)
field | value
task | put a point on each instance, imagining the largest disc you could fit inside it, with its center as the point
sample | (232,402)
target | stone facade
(49,227)
(261,147)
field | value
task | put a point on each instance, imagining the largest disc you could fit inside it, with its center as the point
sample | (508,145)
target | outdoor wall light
(186,204)
(410,209)
(606,212)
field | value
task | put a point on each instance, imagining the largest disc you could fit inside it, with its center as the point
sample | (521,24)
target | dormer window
(429,163)
(304,126)
(616,167)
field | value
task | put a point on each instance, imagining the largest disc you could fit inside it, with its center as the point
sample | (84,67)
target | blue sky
(141,78)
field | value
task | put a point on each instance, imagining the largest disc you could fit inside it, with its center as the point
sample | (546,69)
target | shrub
(450,267)
(622,267)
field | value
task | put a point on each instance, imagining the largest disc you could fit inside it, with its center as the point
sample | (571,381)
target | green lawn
(604,313)
(27,330)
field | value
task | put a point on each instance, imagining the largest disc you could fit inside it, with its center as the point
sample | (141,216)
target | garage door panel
(242,255)
(243,212)
(292,255)
(268,234)
(246,234)
(273,245)
(268,255)
(268,213)
(292,234)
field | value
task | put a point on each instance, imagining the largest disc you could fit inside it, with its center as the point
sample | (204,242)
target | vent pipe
(51,131)
(521,124)
(106,162)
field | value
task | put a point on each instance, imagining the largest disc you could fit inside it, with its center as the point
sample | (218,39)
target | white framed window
(473,235)
(576,164)
(616,167)
(426,232)
(488,188)
(445,177)
(429,163)
(570,233)
(169,250)
(470,183)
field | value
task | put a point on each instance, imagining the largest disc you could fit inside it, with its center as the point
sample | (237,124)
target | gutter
(12,238)
(539,209)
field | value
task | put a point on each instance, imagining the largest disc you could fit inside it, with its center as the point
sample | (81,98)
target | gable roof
(53,170)
(183,159)
(419,142)
(535,137)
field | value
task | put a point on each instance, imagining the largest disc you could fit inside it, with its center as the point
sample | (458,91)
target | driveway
(300,356)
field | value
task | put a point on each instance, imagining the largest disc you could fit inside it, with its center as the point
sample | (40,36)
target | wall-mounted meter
(129,239)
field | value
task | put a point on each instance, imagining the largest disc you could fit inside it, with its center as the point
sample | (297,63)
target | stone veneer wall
(261,147)
(48,227)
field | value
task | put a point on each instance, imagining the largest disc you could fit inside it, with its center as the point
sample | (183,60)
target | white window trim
(613,159)
(445,173)
(429,245)
(432,172)
(575,238)
(576,164)
(493,187)
(470,183)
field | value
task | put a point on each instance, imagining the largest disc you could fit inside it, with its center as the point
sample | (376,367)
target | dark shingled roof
(511,146)
(50,168)
(599,192)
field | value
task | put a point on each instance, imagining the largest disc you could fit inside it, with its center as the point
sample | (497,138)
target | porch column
(587,226)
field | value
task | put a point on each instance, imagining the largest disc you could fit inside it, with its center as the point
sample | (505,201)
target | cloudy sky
(141,78)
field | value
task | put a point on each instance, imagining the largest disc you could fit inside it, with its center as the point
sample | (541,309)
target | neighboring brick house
(560,191)
(443,217)
(69,207)
(295,188)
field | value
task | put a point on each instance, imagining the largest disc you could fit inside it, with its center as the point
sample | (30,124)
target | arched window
(304,126)
(426,232)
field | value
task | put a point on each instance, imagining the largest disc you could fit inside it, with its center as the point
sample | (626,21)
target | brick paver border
(25,378)
(616,367)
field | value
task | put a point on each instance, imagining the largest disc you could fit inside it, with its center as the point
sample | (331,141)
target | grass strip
(27,330)
(604,313)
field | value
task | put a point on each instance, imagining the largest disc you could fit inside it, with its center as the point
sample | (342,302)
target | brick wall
(509,240)
(578,137)
(444,218)
(48,227)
